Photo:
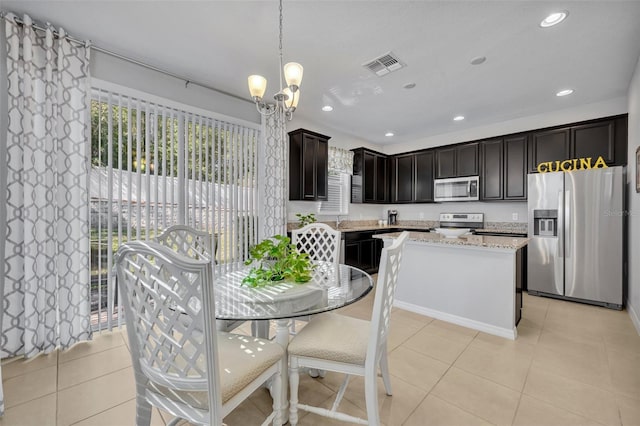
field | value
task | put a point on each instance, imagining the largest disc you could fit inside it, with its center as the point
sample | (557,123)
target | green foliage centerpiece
(276,259)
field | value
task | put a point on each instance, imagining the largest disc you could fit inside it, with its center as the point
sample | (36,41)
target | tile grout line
(440,379)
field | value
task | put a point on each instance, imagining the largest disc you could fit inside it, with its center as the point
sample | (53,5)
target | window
(338,196)
(155,164)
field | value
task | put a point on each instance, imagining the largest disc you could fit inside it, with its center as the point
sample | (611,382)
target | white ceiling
(221,42)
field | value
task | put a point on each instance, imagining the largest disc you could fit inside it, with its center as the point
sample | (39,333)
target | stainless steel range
(462,220)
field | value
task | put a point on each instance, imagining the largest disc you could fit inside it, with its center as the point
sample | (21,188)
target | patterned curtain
(340,160)
(46,266)
(273,177)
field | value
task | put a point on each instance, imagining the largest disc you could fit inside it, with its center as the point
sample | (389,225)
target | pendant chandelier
(287,98)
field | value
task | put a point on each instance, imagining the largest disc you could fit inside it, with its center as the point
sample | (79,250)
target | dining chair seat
(238,366)
(333,337)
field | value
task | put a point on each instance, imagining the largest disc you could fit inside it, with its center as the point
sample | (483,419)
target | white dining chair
(181,363)
(349,345)
(322,243)
(195,244)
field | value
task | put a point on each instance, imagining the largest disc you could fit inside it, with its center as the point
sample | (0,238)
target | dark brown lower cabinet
(363,251)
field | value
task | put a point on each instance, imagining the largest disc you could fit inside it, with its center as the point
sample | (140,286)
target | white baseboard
(635,319)
(464,322)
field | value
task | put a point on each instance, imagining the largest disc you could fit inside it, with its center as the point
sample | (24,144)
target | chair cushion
(241,360)
(333,337)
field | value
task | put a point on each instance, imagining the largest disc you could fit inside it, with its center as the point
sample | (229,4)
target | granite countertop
(372,225)
(433,238)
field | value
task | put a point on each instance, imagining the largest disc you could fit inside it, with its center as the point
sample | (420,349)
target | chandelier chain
(280,45)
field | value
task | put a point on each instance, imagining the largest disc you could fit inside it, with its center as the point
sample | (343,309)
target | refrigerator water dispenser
(545,223)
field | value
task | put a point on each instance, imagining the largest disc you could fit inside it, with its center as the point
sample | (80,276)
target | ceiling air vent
(384,64)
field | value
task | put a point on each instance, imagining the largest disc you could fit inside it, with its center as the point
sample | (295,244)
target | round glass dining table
(332,286)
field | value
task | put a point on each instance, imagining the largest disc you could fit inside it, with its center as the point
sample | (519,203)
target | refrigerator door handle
(560,227)
(567,224)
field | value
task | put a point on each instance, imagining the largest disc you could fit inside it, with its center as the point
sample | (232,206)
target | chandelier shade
(257,86)
(293,74)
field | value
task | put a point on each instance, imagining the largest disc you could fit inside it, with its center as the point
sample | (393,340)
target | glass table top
(332,287)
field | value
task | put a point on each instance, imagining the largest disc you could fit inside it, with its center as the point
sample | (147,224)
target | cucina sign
(572,164)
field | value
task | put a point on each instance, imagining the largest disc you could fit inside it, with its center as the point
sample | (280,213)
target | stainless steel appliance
(576,225)
(462,220)
(392,217)
(456,189)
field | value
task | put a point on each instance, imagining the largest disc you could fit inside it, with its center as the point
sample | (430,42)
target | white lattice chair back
(168,300)
(188,241)
(322,243)
(390,261)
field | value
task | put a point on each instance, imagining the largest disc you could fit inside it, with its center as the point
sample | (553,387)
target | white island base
(470,285)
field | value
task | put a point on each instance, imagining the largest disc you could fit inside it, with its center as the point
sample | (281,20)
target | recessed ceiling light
(327,108)
(554,19)
(388,134)
(458,118)
(409,85)
(564,92)
(478,60)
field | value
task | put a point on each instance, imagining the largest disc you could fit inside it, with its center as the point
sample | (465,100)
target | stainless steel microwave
(457,189)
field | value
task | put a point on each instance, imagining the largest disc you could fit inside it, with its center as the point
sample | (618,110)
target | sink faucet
(338,222)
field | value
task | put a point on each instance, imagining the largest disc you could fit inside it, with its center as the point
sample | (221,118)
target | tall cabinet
(370,180)
(308,166)
(503,168)
(412,177)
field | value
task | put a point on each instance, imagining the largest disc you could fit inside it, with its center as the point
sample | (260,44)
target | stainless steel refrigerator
(576,225)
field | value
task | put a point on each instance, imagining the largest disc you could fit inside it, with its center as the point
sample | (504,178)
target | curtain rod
(126,58)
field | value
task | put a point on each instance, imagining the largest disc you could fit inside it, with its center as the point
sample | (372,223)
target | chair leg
(371,399)
(294,379)
(143,408)
(384,369)
(277,396)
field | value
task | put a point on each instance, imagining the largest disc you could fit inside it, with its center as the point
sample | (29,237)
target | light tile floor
(572,364)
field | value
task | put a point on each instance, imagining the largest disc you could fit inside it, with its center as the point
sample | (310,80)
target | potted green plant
(276,259)
(306,219)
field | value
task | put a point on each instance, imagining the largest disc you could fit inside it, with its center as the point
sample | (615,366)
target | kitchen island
(473,281)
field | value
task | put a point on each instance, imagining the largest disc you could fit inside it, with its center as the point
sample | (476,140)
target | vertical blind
(338,195)
(155,165)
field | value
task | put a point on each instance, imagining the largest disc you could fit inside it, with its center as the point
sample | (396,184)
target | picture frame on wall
(638,169)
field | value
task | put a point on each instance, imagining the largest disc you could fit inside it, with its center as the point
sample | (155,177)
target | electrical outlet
(514,216)
(421,215)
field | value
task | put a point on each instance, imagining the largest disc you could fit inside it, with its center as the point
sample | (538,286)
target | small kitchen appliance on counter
(392,217)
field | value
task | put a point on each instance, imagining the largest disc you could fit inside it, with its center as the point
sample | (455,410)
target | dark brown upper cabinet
(606,138)
(501,162)
(403,178)
(492,173)
(503,169)
(412,177)
(515,167)
(424,176)
(457,160)
(548,145)
(370,180)
(308,166)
